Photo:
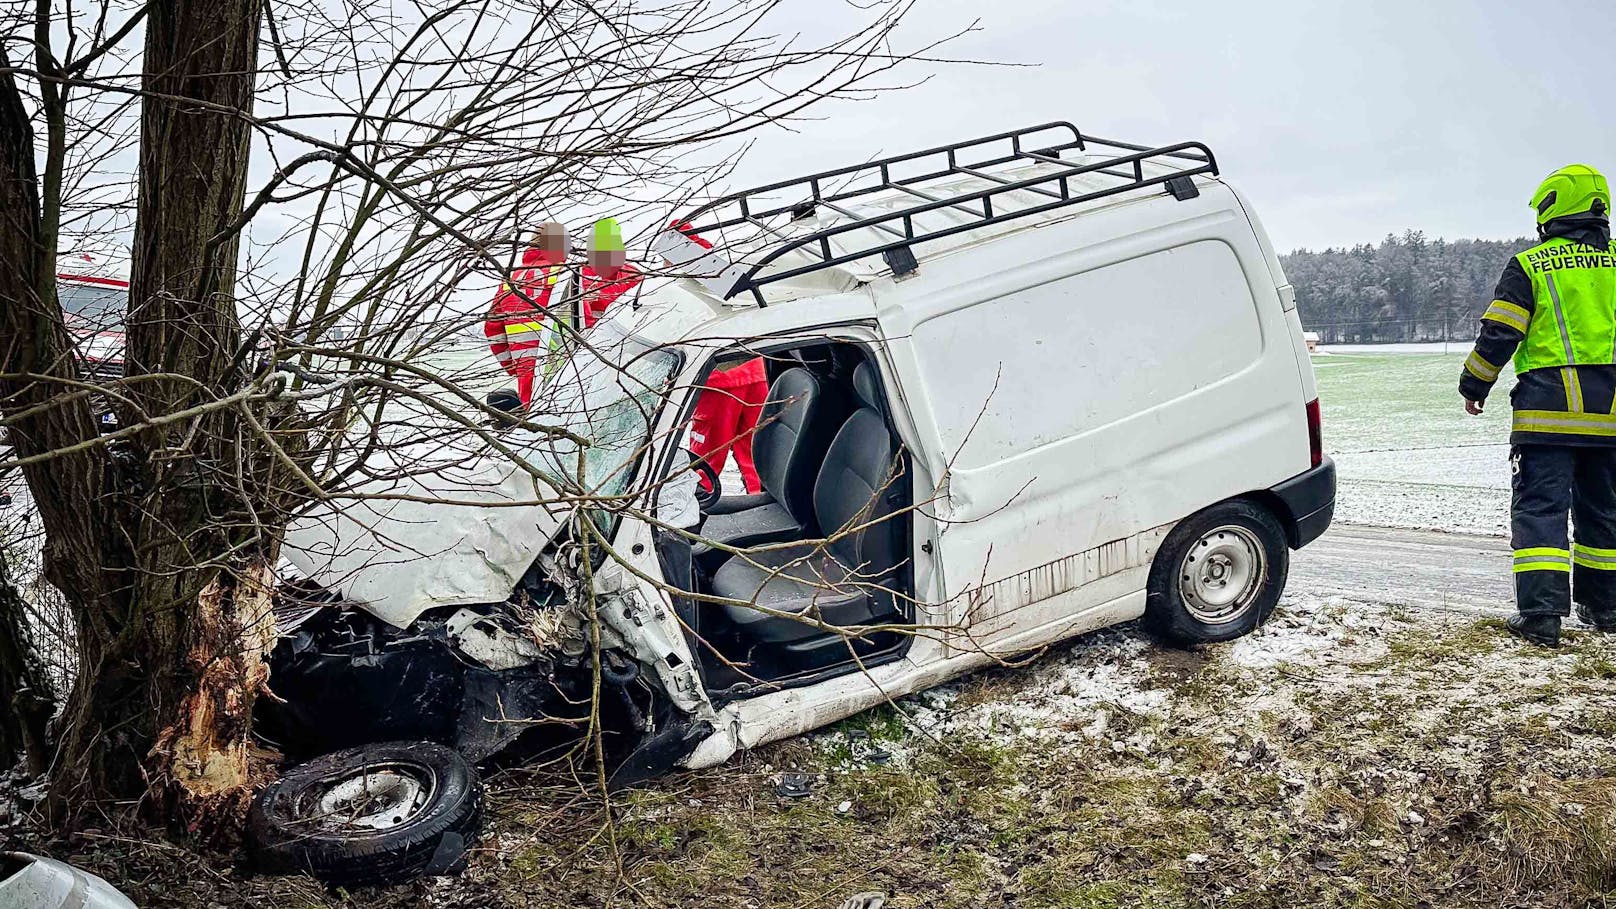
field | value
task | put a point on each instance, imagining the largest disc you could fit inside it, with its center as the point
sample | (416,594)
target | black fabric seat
(840,582)
(795,429)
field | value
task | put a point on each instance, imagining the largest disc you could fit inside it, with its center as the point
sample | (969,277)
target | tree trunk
(164,547)
(180,666)
(36,356)
(25,715)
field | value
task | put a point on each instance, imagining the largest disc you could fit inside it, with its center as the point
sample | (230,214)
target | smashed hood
(405,544)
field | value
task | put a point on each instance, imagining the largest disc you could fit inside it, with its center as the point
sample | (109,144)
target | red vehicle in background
(94,303)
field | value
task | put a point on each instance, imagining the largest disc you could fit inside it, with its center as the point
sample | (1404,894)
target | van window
(1034,367)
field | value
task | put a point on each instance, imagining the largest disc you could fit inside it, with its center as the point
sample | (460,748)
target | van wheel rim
(377,797)
(1222,575)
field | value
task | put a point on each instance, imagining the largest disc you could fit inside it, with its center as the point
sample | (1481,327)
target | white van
(1021,387)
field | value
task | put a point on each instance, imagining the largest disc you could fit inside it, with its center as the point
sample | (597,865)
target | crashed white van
(1021,387)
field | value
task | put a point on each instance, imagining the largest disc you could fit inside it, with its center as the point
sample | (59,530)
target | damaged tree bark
(183,659)
(162,544)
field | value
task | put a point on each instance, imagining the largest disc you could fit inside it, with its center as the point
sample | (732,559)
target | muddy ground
(1347,755)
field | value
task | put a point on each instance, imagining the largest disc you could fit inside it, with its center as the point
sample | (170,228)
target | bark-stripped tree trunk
(170,575)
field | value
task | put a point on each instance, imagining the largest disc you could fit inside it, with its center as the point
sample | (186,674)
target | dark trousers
(1550,482)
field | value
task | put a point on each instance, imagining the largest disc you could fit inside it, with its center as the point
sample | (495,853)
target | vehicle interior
(826,539)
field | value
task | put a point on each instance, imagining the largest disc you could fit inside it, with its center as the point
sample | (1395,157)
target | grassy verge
(1394,760)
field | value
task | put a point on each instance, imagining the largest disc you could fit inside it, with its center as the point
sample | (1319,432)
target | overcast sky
(1341,120)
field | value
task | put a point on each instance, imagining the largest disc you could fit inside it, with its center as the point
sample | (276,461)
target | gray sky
(1341,120)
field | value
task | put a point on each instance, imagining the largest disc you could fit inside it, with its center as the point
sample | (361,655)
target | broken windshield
(607,393)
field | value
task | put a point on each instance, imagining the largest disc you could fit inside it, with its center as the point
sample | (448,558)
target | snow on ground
(1064,697)
(1077,692)
(1406,452)
(1457,509)
(1312,629)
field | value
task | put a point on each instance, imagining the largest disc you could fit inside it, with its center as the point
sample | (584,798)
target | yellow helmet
(1575,189)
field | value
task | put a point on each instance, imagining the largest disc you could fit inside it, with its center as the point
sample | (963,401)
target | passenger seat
(798,422)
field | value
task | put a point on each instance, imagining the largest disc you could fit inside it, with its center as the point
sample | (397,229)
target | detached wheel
(1218,574)
(377,814)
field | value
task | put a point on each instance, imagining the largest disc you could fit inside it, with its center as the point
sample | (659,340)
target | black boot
(1542,630)
(1603,620)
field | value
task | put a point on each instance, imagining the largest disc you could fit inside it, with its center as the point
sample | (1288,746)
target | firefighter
(1554,311)
(517,329)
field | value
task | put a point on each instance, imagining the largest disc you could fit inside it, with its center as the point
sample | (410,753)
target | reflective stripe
(1590,557)
(517,328)
(1543,551)
(1553,421)
(1542,558)
(1503,311)
(1573,388)
(1480,368)
(1559,318)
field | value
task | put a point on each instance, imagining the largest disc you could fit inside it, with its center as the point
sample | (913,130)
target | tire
(376,814)
(1218,574)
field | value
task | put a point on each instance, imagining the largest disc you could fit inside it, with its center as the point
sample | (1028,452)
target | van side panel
(1046,366)
(1120,373)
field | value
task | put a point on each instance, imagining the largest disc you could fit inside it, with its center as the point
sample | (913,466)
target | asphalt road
(1427,569)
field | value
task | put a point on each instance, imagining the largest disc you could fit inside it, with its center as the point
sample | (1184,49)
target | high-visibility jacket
(517,327)
(1578,326)
(1554,315)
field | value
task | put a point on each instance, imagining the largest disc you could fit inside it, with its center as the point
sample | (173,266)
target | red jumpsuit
(728,410)
(515,326)
(726,415)
(597,293)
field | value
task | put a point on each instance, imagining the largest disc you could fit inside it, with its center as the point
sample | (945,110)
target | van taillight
(1315,432)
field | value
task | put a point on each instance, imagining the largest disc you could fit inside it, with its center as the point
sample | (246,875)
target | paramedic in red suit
(726,414)
(515,325)
(606,275)
(727,411)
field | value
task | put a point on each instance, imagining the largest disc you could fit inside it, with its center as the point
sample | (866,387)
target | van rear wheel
(1218,574)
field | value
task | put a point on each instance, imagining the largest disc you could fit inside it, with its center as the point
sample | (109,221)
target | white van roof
(828,232)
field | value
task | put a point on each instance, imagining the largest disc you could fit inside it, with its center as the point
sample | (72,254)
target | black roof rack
(1122,160)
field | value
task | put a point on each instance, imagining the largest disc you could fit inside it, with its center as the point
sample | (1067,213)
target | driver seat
(848,580)
(793,432)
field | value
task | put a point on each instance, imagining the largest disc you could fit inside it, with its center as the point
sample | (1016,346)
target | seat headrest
(864,385)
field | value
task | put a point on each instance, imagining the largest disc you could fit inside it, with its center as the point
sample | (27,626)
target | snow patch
(1072,694)
(1310,627)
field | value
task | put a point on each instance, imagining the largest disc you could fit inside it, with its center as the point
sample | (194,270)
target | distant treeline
(1409,288)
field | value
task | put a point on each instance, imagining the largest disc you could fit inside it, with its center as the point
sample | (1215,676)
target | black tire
(304,823)
(1230,529)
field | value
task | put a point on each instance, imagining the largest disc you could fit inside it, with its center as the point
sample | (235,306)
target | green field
(1408,454)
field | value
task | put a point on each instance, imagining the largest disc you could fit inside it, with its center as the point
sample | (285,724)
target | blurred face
(553,238)
(606,261)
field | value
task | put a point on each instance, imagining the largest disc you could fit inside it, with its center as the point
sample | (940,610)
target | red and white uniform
(728,410)
(727,414)
(515,325)
(595,293)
